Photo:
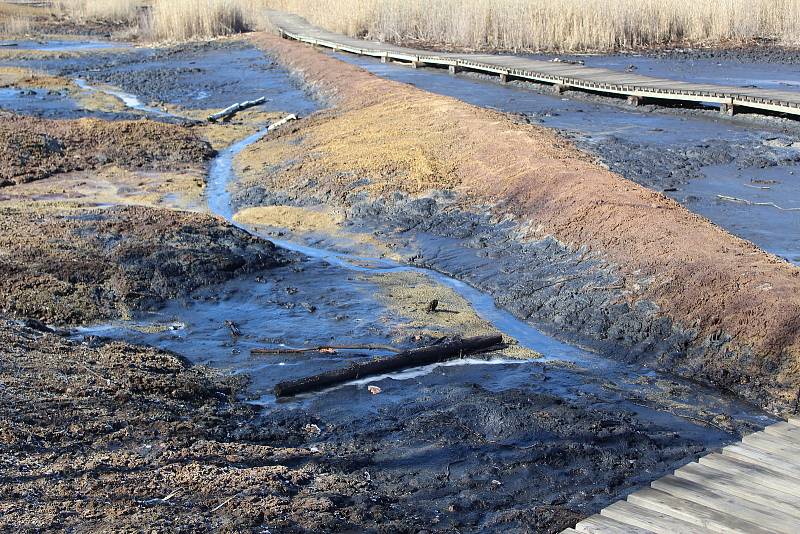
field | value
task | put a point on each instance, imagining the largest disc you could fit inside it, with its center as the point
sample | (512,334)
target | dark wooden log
(404,360)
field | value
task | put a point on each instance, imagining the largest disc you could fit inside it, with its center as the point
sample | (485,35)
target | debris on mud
(32,149)
(73,267)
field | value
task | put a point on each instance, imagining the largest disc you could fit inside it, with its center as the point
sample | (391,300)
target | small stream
(413,430)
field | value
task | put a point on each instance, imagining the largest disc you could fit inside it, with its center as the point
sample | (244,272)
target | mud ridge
(717,308)
(75,267)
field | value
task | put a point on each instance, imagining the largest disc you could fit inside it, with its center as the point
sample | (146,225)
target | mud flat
(556,238)
(108,426)
(693,155)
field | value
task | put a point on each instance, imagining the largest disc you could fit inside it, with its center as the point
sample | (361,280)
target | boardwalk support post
(385,58)
(503,77)
(634,100)
(559,88)
(416,63)
(727,108)
(452,69)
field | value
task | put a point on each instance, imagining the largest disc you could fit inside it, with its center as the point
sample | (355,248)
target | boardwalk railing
(561,76)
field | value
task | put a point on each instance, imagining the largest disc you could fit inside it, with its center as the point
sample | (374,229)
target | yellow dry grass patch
(319,221)
(30,78)
(294,218)
(408,294)
(396,145)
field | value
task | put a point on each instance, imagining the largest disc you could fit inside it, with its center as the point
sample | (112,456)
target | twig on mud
(161,500)
(618,285)
(226,501)
(326,348)
(276,124)
(751,203)
(756,186)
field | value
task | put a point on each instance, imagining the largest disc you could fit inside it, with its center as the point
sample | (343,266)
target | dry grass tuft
(15,25)
(168,19)
(556,25)
(188,19)
(114,11)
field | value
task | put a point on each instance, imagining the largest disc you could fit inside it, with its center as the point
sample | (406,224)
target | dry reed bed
(152,19)
(556,25)
(540,25)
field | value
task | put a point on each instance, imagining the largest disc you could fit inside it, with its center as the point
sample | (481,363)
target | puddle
(38,102)
(761,205)
(744,74)
(60,46)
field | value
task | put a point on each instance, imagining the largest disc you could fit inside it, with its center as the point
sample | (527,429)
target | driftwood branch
(325,348)
(230,111)
(404,360)
(281,122)
(751,203)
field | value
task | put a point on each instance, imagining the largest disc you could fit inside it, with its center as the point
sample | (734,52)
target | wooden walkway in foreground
(561,76)
(752,487)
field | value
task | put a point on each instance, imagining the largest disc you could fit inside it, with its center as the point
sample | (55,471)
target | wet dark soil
(32,149)
(77,266)
(210,75)
(108,435)
(665,149)
(103,435)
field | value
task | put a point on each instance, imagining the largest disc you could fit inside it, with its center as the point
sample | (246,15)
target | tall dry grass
(169,19)
(556,25)
(190,19)
(116,11)
(15,25)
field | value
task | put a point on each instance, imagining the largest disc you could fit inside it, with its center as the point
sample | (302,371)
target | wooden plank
(784,430)
(598,524)
(752,473)
(740,511)
(693,512)
(789,466)
(720,481)
(772,444)
(656,522)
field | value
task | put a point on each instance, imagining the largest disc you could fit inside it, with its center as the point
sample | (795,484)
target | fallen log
(230,111)
(404,360)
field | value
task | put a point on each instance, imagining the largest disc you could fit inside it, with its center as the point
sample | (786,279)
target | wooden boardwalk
(561,76)
(752,487)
